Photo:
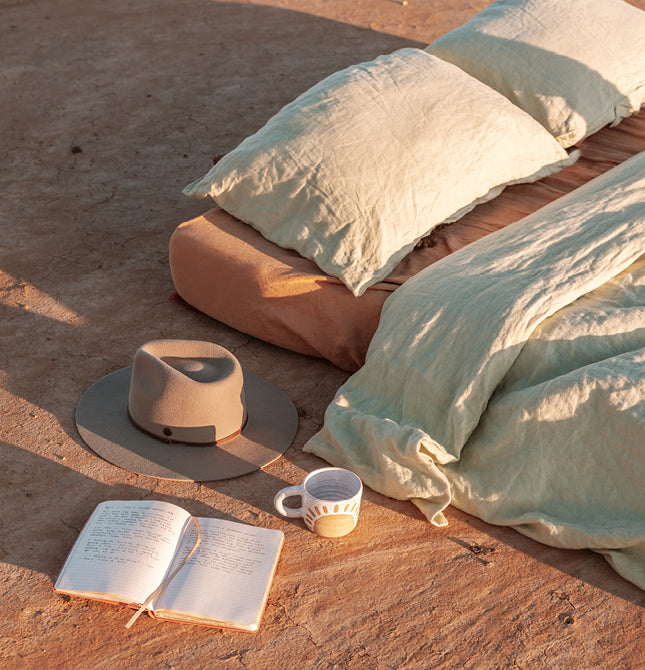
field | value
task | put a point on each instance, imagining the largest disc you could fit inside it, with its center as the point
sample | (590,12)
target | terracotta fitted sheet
(226,269)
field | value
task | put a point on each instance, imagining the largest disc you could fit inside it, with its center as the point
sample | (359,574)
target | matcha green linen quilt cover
(508,379)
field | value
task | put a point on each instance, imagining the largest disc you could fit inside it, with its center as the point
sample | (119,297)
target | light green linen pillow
(359,167)
(574,65)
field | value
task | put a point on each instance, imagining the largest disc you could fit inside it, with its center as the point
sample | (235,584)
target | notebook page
(125,549)
(229,575)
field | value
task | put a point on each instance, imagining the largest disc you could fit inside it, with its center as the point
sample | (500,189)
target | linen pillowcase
(359,167)
(574,65)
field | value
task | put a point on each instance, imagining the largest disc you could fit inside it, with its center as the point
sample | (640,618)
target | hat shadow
(49,503)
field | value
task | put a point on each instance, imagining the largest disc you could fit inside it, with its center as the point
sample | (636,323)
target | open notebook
(156,556)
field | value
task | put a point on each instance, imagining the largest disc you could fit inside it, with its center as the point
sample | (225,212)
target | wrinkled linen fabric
(229,271)
(358,168)
(574,66)
(509,379)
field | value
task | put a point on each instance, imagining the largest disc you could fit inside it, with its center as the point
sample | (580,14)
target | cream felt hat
(186,410)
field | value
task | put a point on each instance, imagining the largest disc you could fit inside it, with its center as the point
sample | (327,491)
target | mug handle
(286,493)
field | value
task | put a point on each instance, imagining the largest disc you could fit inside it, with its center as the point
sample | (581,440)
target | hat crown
(187,391)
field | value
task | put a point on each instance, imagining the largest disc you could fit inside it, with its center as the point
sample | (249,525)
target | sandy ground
(109,108)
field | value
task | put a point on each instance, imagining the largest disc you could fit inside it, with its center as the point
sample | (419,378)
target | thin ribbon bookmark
(170,577)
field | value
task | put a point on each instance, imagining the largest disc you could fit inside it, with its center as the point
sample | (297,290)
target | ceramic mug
(331,498)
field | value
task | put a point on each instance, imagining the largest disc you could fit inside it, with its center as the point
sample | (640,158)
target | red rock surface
(109,108)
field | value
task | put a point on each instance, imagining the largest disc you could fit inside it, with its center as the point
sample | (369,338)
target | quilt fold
(509,379)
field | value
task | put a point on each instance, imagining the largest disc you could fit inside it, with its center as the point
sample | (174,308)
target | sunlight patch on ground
(22,295)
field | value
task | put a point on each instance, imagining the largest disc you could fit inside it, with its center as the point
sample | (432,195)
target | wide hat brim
(103,423)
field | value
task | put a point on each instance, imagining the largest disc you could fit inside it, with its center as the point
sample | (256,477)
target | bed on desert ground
(385,167)
(464,225)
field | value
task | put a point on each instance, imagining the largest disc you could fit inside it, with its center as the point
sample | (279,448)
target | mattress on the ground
(227,270)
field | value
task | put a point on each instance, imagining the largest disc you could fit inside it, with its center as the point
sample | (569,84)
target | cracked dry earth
(109,108)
